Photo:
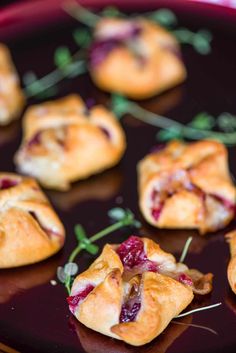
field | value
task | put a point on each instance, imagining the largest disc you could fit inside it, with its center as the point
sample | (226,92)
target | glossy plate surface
(34,317)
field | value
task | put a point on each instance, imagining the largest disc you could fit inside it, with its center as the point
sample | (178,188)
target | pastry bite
(30,230)
(64,142)
(133,290)
(135,57)
(11,95)
(231,271)
(187,185)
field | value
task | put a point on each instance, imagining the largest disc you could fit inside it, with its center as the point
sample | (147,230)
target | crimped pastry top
(203,163)
(133,290)
(30,230)
(64,141)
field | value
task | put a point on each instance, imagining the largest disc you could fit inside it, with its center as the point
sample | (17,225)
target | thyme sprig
(123,218)
(208,307)
(200,40)
(201,127)
(67,66)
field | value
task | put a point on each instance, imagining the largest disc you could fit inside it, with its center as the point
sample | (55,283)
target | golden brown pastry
(133,290)
(64,141)
(187,186)
(11,96)
(231,272)
(137,58)
(30,230)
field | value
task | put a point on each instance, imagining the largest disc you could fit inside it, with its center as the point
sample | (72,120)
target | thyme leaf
(195,130)
(123,218)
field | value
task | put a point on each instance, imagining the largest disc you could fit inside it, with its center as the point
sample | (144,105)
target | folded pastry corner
(133,290)
(12,99)
(231,271)
(187,185)
(64,142)
(30,230)
(135,57)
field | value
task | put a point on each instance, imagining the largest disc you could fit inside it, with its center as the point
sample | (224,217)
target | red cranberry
(74,300)
(105,131)
(6,183)
(129,311)
(227,204)
(183,278)
(131,253)
(100,49)
(35,140)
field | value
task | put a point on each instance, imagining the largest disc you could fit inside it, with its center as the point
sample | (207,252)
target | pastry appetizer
(231,272)
(30,231)
(64,141)
(187,186)
(136,57)
(11,96)
(133,290)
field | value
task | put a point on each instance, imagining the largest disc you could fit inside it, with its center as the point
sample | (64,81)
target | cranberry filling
(106,132)
(131,253)
(6,183)
(183,278)
(102,47)
(74,300)
(227,204)
(129,311)
(49,232)
(35,140)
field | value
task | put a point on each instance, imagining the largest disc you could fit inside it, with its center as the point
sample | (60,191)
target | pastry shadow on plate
(16,280)
(99,187)
(161,104)
(94,342)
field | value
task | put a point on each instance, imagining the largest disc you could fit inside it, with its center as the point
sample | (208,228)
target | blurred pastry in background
(231,271)
(11,95)
(64,141)
(30,230)
(187,185)
(135,57)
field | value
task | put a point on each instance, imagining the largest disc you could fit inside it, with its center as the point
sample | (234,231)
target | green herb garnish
(200,40)
(123,218)
(67,66)
(197,129)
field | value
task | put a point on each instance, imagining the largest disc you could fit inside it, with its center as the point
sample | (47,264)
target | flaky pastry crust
(231,271)
(133,290)
(137,58)
(11,95)
(30,230)
(187,186)
(64,141)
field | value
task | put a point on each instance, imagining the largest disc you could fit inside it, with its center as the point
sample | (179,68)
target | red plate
(34,316)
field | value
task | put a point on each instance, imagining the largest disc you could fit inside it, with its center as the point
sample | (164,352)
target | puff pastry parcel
(136,57)
(133,290)
(231,271)
(64,141)
(187,186)
(30,231)
(11,96)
